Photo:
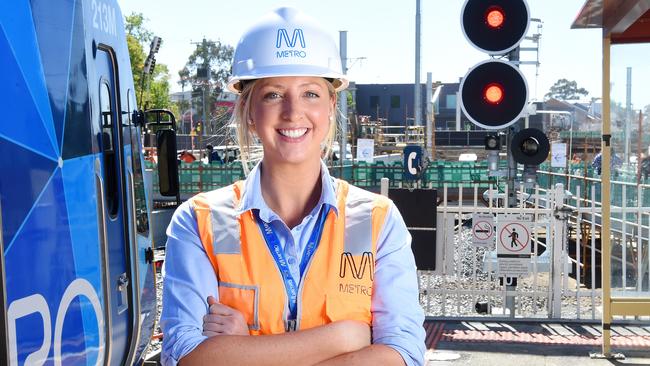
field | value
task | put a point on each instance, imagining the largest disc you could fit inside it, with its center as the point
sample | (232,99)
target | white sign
(558,155)
(365,150)
(514,243)
(482,230)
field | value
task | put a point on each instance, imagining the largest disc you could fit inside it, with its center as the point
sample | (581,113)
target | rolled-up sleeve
(397,315)
(188,279)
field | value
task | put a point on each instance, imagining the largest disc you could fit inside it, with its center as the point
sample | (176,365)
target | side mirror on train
(138,118)
(167,162)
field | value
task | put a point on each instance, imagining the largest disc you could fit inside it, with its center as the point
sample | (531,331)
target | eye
(272,95)
(311,94)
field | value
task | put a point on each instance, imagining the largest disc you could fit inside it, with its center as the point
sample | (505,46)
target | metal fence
(563,281)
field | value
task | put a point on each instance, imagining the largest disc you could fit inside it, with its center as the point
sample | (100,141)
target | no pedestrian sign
(514,238)
(482,230)
(514,246)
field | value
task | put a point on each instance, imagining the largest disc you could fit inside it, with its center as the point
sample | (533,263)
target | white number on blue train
(36,304)
(104,17)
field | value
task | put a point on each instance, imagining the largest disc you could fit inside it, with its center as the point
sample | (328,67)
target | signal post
(494,95)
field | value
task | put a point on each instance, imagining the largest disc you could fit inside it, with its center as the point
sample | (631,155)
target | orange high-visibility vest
(337,283)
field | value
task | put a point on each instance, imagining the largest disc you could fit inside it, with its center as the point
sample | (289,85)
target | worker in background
(615,163)
(186,157)
(290,266)
(213,155)
(576,159)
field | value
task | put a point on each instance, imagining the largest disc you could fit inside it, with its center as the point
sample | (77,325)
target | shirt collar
(252,198)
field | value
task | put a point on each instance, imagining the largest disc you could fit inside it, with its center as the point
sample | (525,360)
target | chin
(297,158)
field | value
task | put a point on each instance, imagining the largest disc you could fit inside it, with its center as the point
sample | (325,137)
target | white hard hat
(286,42)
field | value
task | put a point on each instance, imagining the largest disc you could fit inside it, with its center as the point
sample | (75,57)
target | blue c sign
(412,162)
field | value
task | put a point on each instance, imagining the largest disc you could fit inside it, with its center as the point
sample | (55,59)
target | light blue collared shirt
(189,278)
(293,241)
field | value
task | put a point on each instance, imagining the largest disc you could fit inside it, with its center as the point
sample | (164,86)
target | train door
(115,206)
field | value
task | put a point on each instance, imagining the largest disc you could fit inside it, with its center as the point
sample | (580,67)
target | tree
(646,119)
(135,28)
(207,70)
(156,85)
(564,89)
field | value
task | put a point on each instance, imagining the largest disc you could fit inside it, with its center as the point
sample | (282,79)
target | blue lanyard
(273,242)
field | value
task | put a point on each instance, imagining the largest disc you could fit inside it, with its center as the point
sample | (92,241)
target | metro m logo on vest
(283,35)
(358,272)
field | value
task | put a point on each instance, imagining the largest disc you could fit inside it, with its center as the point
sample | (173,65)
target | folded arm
(375,354)
(305,347)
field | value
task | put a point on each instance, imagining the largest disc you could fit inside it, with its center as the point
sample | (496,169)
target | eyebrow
(280,86)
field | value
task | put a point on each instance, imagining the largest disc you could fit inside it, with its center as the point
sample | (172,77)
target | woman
(321,271)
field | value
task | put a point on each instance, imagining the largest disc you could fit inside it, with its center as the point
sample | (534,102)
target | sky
(381,40)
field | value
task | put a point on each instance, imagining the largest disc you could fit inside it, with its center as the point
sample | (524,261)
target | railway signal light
(495,27)
(494,93)
(493,147)
(529,147)
(492,142)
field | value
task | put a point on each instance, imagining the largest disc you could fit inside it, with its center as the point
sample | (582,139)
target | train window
(141,217)
(130,106)
(127,115)
(107,142)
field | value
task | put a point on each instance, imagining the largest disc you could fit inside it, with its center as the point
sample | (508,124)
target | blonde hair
(241,118)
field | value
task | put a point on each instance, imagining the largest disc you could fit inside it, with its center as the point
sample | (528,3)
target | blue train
(76,263)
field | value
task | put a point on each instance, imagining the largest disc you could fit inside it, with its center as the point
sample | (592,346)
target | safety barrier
(199,177)
(564,271)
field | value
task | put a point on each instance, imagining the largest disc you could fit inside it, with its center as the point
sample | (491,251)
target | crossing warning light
(495,27)
(494,93)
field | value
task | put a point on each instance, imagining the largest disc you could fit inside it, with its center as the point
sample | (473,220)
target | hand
(354,334)
(223,320)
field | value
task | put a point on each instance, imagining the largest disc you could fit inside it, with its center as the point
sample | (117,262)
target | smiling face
(291,117)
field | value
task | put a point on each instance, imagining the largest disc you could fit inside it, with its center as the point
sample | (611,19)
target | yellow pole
(605,198)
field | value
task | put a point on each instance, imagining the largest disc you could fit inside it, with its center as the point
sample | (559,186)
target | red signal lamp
(495,26)
(495,17)
(493,93)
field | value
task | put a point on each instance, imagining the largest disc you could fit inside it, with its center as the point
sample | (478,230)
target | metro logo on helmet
(276,46)
(297,35)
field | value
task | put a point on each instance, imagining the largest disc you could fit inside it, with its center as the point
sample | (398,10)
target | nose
(291,108)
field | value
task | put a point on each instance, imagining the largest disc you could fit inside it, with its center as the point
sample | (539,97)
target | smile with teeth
(293,133)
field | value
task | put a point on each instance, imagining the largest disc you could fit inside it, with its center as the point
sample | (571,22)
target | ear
(251,126)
